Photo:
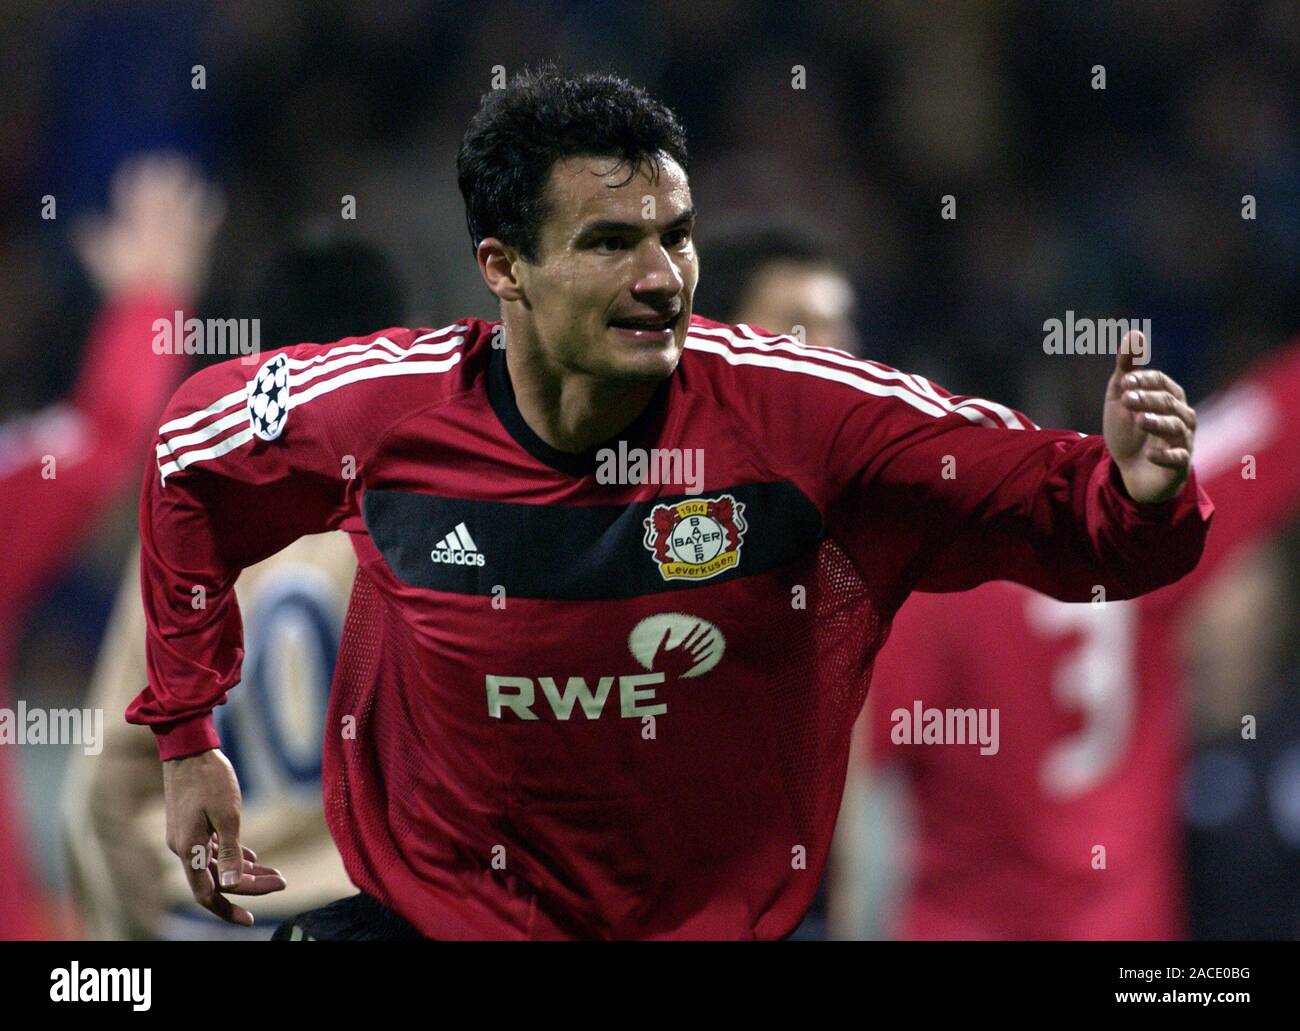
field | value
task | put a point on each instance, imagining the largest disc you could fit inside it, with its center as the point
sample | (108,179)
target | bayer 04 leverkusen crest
(696,539)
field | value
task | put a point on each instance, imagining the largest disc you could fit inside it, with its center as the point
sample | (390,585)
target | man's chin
(643,361)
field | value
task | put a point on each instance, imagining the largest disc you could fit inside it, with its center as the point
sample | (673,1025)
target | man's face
(785,294)
(610,255)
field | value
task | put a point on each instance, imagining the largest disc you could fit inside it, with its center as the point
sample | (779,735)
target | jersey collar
(501,394)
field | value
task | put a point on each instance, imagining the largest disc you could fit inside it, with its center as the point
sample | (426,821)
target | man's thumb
(230,857)
(1134,343)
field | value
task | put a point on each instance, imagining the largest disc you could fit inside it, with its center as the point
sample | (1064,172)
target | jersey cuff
(186,737)
(1153,511)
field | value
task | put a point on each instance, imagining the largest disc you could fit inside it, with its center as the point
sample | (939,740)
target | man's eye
(609,244)
(677,237)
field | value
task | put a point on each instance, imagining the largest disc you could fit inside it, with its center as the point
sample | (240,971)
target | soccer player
(63,467)
(1072,829)
(622,569)
(125,882)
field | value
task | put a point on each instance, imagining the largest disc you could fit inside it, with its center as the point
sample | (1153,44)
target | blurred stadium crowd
(1122,202)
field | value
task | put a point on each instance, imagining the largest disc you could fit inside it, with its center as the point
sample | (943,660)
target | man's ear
(499,264)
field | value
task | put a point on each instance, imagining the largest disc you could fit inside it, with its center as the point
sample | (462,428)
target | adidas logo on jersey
(458,549)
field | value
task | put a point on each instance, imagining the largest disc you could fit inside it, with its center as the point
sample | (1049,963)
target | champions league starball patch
(696,539)
(268,398)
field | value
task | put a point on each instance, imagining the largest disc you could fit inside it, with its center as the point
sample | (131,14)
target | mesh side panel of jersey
(353,694)
(820,686)
(377,784)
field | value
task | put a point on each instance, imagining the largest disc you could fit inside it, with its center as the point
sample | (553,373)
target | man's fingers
(200,880)
(261,880)
(264,883)
(249,854)
(1153,379)
(221,906)
(254,879)
(1167,427)
(264,874)
(204,890)
(251,879)
(1159,410)
(206,895)
(1161,402)
(1171,458)
(230,855)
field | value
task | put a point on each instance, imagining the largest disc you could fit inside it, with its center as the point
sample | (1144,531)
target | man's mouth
(646,327)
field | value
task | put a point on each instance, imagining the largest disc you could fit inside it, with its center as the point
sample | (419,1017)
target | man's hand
(1148,427)
(158,233)
(203,800)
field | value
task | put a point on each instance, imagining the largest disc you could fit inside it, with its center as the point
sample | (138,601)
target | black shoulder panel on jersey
(590,551)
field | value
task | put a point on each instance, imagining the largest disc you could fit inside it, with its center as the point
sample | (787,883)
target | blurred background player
(1072,829)
(62,469)
(780,273)
(126,883)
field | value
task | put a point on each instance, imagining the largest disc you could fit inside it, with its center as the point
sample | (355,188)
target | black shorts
(359,918)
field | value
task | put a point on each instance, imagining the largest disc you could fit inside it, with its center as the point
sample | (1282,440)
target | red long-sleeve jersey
(566,707)
(1090,719)
(59,469)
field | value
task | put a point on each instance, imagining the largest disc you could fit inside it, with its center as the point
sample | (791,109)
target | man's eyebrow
(611,226)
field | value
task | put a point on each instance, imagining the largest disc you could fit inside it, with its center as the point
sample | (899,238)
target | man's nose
(659,273)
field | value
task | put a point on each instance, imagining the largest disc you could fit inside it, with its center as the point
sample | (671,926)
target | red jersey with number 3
(1072,828)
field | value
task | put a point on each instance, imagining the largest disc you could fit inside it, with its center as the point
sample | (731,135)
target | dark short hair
(544,116)
(735,251)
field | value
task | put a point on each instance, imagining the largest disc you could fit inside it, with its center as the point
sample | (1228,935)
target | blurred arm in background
(61,468)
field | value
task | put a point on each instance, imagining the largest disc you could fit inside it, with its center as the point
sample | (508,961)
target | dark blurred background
(1117,202)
